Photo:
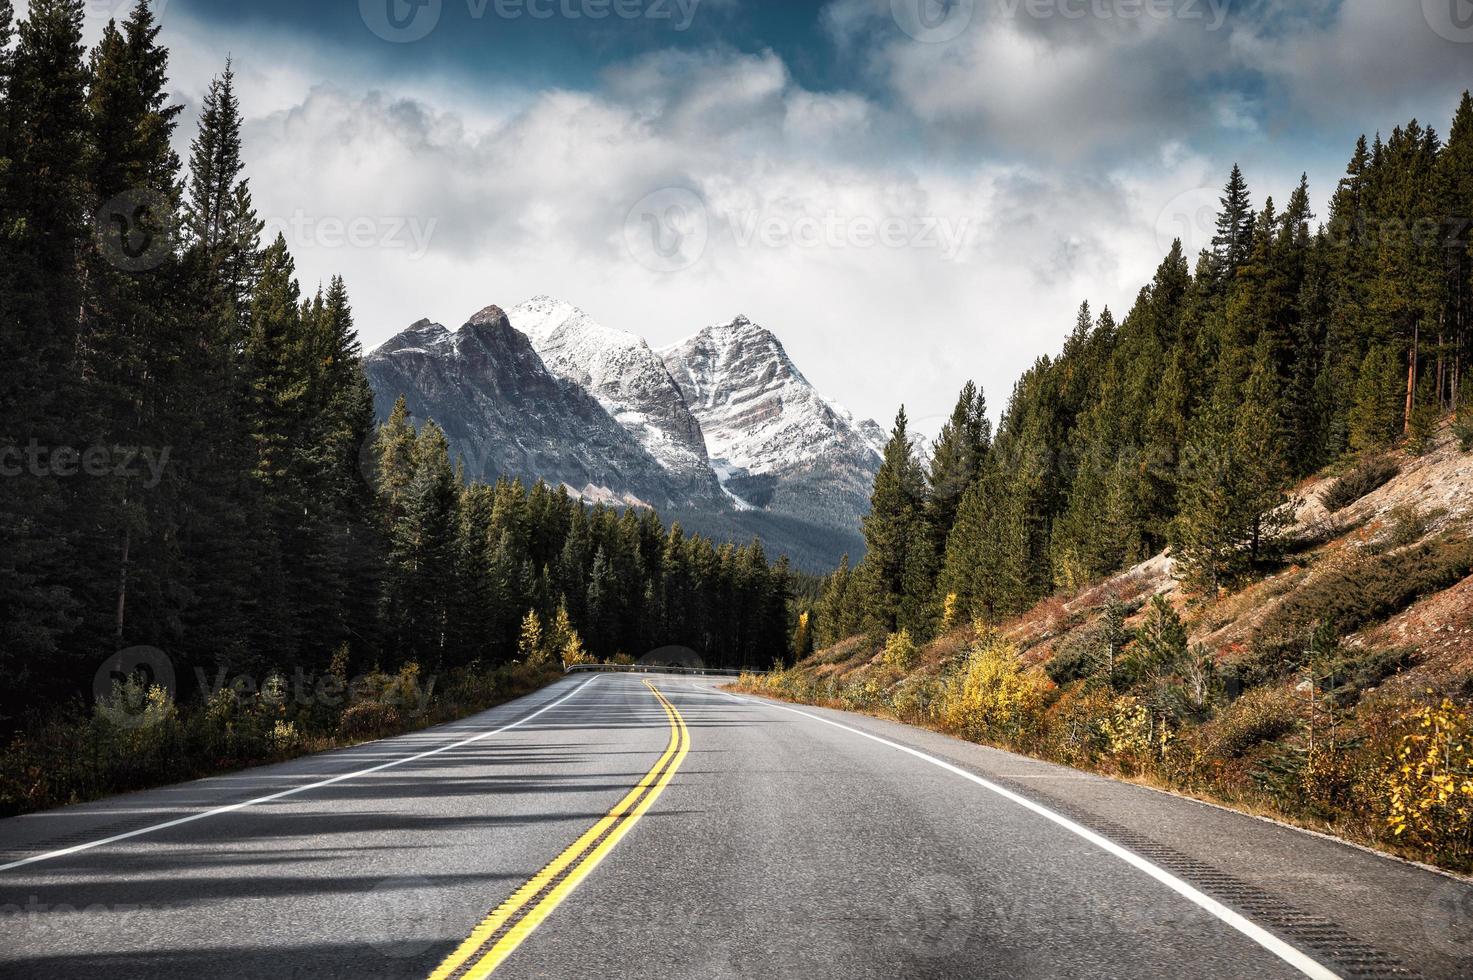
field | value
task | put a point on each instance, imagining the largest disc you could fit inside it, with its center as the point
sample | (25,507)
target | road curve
(602,827)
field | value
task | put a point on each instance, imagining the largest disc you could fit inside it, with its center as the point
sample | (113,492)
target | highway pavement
(630,826)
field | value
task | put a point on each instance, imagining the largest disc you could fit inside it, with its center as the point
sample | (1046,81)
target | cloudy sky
(910,193)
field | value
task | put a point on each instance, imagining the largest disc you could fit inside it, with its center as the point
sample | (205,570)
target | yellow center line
(501,932)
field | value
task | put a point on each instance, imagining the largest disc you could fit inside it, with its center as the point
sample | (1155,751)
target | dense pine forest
(190,455)
(1292,344)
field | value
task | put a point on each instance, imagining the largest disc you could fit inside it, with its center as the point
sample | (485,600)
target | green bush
(1262,715)
(1408,524)
(1369,588)
(1367,476)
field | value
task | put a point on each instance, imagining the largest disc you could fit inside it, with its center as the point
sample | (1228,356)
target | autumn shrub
(991,698)
(1368,476)
(284,737)
(914,697)
(1076,725)
(1324,778)
(1262,715)
(900,651)
(862,694)
(1429,788)
(368,719)
(139,736)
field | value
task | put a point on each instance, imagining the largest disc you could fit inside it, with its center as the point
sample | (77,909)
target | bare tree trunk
(122,582)
(1441,349)
(1406,419)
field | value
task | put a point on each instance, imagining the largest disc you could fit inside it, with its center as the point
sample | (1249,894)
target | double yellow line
(510,923)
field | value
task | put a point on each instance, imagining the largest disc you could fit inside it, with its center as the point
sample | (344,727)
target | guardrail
(650,669)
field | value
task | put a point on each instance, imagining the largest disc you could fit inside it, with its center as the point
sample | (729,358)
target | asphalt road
(606,834)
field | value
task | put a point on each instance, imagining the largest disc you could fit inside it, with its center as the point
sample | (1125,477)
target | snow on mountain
(721,432)
(628,378)
(506,414)
(776,443)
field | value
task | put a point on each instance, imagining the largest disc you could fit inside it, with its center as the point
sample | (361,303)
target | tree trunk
(122,584)
(1406,419)
(1441,374)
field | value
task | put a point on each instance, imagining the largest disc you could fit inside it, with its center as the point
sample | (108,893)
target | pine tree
(1206,533)
(956,458)
(1233,478)
(421,573)
(133,335)
(221,220)
(900,558)
(1262,471)
(1235,226)
(835,619)
(1376,414)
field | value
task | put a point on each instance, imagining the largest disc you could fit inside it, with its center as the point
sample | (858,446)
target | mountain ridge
(545,391)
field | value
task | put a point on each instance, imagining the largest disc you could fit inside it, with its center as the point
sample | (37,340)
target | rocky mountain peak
(628,378)
(774,441)
(493,317)
(721,431)
(506,414)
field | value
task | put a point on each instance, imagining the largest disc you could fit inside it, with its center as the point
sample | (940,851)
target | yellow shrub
(574,654)
(991,698)
(284,737)
(1133,735)
(949,612)
(900,651)
(1430,787)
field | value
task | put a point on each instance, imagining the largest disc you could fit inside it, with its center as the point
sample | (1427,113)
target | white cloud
(983,268)
(519,192)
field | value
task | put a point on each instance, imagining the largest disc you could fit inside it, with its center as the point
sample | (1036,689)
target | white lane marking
(1289,954)
(63,852)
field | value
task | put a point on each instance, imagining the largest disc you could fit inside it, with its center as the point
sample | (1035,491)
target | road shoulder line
(1267,940)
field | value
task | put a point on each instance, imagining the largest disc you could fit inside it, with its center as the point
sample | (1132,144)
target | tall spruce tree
(900,557)
(956,458)
(1235,225)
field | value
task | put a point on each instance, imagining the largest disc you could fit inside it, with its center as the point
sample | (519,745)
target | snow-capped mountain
(774,441)
(506,414)
(721,432)
(627,377)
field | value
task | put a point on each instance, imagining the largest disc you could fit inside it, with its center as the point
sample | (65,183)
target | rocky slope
(775,443)
(506,414)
